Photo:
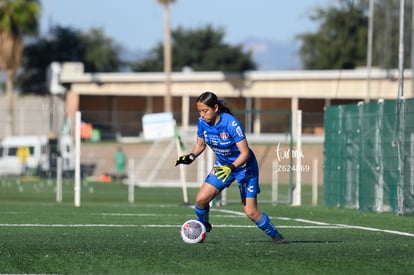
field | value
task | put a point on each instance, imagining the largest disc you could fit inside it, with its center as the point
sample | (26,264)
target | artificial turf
(108,235)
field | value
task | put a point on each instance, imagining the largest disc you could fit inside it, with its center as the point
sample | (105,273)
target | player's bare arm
(244,153)
(199,147)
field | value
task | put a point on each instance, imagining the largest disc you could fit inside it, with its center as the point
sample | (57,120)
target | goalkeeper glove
(185,159)
(223,172)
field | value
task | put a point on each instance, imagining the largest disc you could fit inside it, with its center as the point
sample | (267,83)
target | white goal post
(77,187)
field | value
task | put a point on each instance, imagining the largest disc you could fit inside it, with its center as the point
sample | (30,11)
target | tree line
(340,42)
(341,39)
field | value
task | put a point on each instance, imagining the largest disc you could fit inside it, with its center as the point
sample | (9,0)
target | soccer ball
(193,231)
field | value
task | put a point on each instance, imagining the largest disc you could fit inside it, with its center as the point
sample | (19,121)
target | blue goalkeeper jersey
(222,137)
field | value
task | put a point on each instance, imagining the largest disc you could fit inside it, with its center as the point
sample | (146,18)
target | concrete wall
(33,115)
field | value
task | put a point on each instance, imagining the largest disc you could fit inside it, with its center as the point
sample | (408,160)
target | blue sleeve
(236,130)
(200,129)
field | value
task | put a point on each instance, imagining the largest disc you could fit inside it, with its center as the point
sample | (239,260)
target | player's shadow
(288,242)
(310,241)
(298,241)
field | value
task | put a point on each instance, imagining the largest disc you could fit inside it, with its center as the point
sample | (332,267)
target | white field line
(328,225)
(66,225)
(137,215)
(232,213)
(157,215)
(377,230)
(151,225)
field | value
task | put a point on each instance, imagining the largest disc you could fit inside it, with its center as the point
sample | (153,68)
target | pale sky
(138,24)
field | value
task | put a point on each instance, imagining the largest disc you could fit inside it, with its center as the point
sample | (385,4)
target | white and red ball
(193,231)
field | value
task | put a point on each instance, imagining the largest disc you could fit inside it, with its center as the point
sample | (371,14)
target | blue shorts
(247,177)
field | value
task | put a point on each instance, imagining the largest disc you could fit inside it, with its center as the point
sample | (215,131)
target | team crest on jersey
(224,135)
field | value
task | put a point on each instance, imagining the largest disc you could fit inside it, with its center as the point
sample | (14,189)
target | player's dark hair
(210,99)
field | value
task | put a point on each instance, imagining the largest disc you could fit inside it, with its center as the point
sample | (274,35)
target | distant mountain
(274,55)
(128,54)
(267,54)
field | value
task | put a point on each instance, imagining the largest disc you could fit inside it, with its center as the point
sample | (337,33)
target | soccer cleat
(208,227)
(278,239)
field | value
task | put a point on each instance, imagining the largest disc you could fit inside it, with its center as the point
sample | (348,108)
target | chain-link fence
(104,132)
(369,156)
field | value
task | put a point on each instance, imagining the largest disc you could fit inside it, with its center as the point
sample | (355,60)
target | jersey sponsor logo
(219,151)
(214,141)
(239,131)
(224,135)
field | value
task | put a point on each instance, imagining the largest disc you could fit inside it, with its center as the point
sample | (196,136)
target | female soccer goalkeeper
(220,130)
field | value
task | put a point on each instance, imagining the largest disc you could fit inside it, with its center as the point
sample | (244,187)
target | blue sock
(202,214)
(266,225)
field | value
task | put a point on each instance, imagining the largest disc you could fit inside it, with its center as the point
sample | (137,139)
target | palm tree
(17,18)
(167,54)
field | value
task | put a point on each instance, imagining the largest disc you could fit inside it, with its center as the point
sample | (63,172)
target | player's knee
(252,214)
(202,201)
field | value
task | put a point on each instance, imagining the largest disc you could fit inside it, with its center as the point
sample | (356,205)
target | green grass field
(108,235)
